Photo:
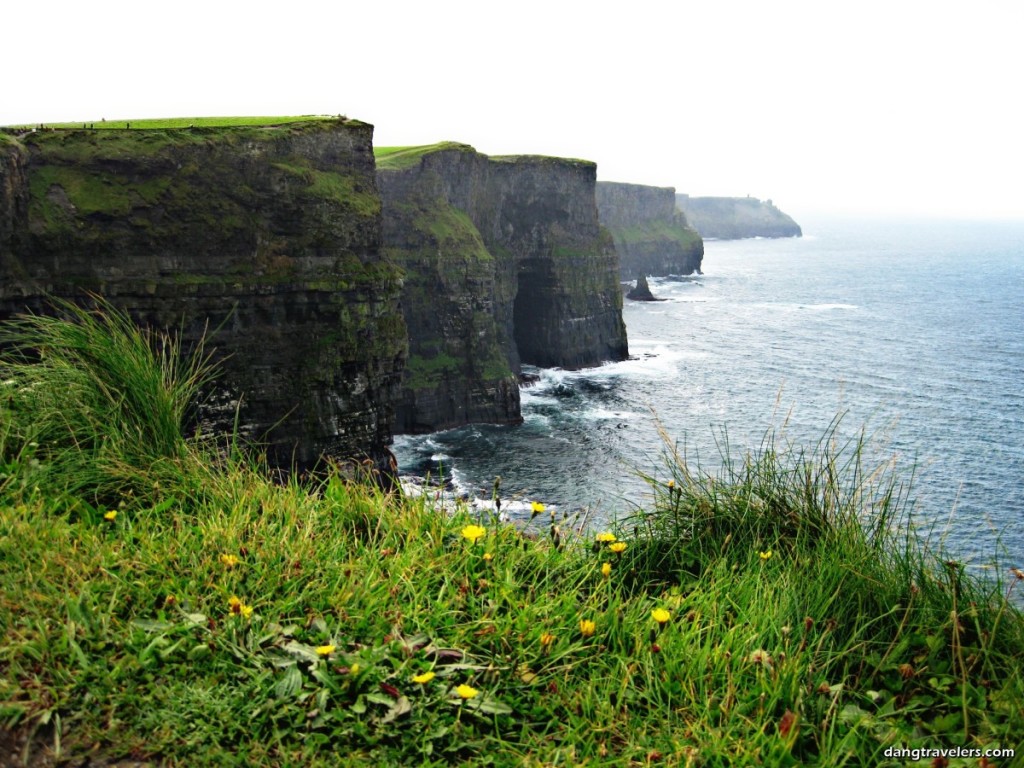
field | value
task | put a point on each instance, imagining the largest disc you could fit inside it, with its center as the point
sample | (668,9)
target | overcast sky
(898,106)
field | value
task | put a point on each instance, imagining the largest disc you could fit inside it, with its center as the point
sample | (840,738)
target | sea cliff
(733,218)
(268,237)
(505,263)
(651,235)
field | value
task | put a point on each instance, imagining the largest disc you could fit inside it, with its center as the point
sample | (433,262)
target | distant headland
(733,218)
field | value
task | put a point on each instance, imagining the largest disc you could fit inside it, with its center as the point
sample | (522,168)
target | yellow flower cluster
(239,608)
(474,532)
(587,627)
(229,561)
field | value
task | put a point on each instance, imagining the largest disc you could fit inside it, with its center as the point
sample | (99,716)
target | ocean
(910,332)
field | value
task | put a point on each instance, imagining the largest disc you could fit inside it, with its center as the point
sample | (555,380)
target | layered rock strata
(651,235)
(268,237)
(733,218)
(505,263)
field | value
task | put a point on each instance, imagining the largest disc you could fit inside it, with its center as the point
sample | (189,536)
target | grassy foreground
(164,601)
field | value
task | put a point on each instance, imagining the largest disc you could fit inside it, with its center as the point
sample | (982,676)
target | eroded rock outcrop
(270,235)
(641,291)
(733,218)
(651,235)
(505,264)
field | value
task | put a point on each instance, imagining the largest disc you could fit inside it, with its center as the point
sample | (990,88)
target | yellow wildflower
(466,691)
(229,561)
(546,639)
(671,484)
(488,557)
(606,569)
(110,516)
(660,615)
(324,650)
(606,537)
(765,555)
(474,532)
(536,508)
(353,670)
(587,627)
(618,547)
(424,678)
(239,608)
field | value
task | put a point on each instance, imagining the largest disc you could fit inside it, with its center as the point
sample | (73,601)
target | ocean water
(911,331)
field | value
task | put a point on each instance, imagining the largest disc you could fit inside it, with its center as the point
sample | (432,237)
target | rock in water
(642,291)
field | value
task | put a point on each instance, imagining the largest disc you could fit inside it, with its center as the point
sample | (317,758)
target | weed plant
(774,614)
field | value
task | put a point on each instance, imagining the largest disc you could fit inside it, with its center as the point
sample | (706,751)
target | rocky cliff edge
(270,235)
(651,235)
(505,263)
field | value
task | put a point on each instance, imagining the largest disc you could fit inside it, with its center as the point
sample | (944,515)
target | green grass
(220,618)
(397,158)
(656,231)
(165,123)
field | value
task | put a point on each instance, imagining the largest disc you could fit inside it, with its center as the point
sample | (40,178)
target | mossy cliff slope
(732,218)
(269,234)
(505,264)
(651,235)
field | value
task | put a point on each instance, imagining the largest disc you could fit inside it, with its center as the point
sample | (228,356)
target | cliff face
(732,218)
(505,264)
(270,235)
(650,234)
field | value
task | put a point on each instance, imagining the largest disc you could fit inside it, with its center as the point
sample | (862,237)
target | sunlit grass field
(162,599)
(180,122)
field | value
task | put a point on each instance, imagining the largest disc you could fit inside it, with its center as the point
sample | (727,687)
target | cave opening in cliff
(534,314)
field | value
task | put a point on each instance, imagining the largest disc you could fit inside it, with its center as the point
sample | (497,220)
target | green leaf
(490,705)
(152,625)
(301,651)
(289,684)
(397,709)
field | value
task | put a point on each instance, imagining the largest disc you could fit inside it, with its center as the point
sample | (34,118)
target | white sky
(898,106)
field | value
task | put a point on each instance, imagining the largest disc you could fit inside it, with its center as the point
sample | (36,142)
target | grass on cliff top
(542,160)
(775,614)
(397,158)
(182,122)
(654,231)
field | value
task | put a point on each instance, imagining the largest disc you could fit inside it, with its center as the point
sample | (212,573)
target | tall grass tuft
(783,498)
(100,403)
